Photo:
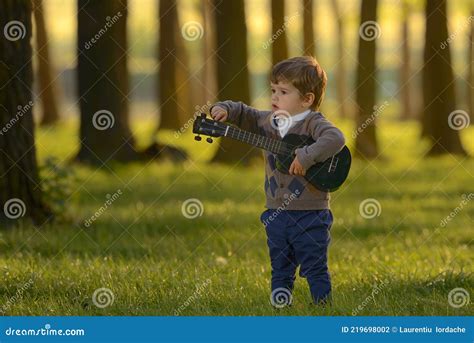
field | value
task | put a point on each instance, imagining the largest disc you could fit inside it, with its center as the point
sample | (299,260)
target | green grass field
(155,261)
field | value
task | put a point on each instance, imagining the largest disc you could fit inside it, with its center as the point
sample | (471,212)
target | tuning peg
(197,138)
(209,140)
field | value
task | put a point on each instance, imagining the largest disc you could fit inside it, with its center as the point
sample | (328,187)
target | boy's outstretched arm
(329,140)
(237,113)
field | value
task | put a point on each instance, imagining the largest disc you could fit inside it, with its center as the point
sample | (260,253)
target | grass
(158,262)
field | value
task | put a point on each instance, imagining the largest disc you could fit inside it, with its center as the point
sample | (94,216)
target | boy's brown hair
(305,74)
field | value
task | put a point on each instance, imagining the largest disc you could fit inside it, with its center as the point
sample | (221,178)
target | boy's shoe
(323,303)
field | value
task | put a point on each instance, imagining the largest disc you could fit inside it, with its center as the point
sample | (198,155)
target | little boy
(298,219)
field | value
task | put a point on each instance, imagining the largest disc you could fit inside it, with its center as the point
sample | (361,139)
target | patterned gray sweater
(290,192)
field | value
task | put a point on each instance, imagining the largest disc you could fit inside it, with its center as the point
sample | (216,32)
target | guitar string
(267,142)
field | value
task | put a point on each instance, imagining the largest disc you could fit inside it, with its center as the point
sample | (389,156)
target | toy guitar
(326,176)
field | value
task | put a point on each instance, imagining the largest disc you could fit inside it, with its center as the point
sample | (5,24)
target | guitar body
(326,176)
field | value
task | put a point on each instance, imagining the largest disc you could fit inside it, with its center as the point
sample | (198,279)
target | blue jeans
(299,238)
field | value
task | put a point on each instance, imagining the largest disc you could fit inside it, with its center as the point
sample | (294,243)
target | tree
(470,74)
(232,71)
(20,191)
(341,88)
(173,77)
(279,45)
(103,82)
(46,90)
(366,140)
(209,67)
(405,70)
(438,83)
(308,28)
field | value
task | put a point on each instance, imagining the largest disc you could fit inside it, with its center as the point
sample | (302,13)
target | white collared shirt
(292,122)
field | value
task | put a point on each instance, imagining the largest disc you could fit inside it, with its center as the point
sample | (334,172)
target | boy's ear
(308,99)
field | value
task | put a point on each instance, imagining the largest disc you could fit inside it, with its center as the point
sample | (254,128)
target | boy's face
(286,97)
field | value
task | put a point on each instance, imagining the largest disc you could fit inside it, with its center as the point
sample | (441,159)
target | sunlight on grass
(153,258)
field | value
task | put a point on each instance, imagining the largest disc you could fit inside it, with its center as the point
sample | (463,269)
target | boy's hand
(296,168)
(218,113)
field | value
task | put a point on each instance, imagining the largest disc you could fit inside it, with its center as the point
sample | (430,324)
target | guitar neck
(262,142)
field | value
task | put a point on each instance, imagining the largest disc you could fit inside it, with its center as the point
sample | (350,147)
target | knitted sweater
(283,191)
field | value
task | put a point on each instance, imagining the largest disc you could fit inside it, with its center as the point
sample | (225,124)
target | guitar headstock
(208,127)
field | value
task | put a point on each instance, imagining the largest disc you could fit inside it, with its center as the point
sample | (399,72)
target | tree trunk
(279,45)
(232,72)
(103,82)
(470,75)
(20,191)
(173,76)
(209,68)
(405,70)
(184,81)
(46,90)
(308,28)
(341,81)
(366,140)
(438,83)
